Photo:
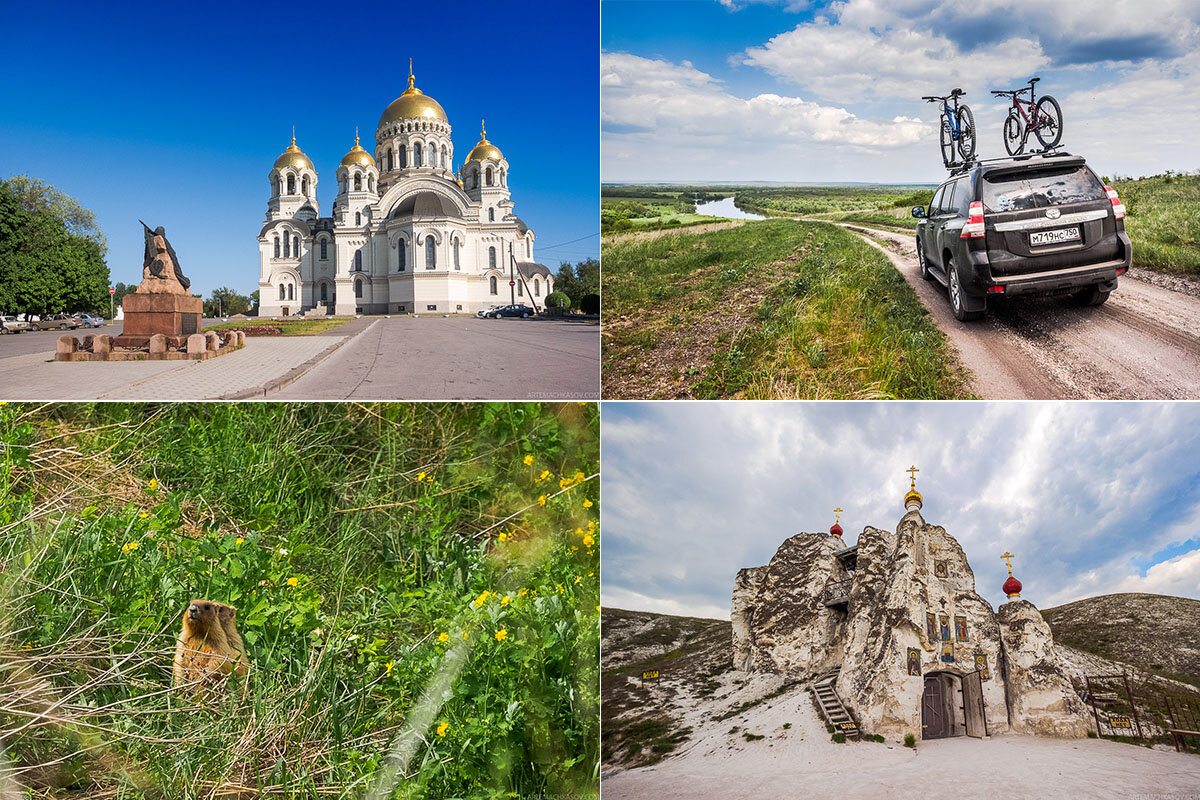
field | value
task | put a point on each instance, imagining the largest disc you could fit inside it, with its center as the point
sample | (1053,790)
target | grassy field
(808,200)
(771,309)
(291,326)
(1163,221)
(636,208)
(416,583)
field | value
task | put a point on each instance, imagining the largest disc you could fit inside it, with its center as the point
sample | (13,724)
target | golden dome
(412,104)
(357,155)
(484,149)
(293,157)
(912,495)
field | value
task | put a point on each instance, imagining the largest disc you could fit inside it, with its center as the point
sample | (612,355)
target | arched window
(274,186)
(474,178)
(357,218)
(358,288)
(457,265)
(417,154)
(370,183)
(291,184)
(430,253)
(492,257)
(287,246)
(491,215)
(291,291)
(537,288)
(357,182)
(488,176)
(324,292)
(282,292)
(502,183)
(277,247)
(324,249)
(296,246)
(358,260)
(403,156)
(443,158)
(492,284)
(304,186)
(403,255)
(389,161)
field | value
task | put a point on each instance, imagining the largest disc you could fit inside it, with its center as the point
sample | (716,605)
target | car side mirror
(918,212)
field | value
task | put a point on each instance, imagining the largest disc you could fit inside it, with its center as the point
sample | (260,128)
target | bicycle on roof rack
(1044,119)
(958,127)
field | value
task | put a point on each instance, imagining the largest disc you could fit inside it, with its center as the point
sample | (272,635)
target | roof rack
(964,166)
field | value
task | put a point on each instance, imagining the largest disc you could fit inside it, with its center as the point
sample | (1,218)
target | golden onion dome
(412,104)
(912,495)
(294,157)
(357,155)
(484,149)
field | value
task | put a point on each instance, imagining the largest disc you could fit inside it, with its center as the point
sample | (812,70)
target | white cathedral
(407,234)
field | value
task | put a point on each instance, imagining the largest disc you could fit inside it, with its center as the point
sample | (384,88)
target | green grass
(807,200)
(361,546)
(1163,221)
(882,219)
(291,327)
(770,309)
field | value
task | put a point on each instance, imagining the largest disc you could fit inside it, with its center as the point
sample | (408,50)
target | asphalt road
(1144,343)
(458,358)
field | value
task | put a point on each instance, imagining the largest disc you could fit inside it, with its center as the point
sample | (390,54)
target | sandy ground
(1144,343)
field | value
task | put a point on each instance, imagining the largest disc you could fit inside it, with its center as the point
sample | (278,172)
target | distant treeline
(823,199)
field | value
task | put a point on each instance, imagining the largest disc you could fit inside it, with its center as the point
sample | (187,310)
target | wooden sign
(650,675)
(1120,721)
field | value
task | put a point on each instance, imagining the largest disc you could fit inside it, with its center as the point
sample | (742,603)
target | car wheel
(526,315)
(957,298)
(1091,296)
(922,263)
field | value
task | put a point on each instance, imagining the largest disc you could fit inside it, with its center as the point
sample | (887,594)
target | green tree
(578,280)
(254,302)
(51,254)
(225,302)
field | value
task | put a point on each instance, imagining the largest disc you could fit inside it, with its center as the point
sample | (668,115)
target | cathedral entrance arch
(952,705)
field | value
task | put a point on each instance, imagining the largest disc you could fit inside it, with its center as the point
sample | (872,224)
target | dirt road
(1144,343)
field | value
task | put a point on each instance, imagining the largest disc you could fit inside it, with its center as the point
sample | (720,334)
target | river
(724,208)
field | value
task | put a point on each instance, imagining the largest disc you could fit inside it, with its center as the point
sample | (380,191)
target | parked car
(1030,225)
(89,320)
(13,325)
(487,312)
(55,322)
(519,310)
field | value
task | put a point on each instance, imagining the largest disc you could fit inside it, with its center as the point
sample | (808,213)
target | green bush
(590,304)
(840,738)
(557,300)
(910,740)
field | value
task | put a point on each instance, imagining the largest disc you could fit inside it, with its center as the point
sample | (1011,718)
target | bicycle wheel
(947,143)
(1014,133)
(1049,122)
(966,133)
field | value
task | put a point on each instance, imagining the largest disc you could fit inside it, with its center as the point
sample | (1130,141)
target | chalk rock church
(408,234)
(905,643)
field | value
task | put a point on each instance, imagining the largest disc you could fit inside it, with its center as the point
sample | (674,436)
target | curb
(295,373)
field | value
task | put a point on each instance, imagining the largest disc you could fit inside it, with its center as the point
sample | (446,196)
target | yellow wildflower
(545,474)
(528,460)
(443,636)
(464,634)
(523,592)
(578,578)
(482,598)
(239,540)
(587,503)
(588,541)
(293,582)
(580,477)
(579,531)
(501,635)
(542,500)
(505,600)
(153,484)
(143,515)
(126,548)
(388,665)
(564,483)
(597,609)
(591,526)
(503,536)
(420,477)
(441,729)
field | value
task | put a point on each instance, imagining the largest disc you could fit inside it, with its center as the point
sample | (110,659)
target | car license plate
(1059,236)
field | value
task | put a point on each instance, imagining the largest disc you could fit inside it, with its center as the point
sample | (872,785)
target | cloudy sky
(1093,498)
(795,90)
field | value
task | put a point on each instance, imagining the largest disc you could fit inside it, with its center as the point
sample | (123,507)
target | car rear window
(1058,186)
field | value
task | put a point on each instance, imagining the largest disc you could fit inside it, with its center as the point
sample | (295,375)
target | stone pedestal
(168,314)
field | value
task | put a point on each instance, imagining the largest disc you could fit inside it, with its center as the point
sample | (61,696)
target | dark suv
(1042,224)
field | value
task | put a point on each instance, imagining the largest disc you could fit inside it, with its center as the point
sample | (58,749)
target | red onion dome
(1012,587)
(836,529)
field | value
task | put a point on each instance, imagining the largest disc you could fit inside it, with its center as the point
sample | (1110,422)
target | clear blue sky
(824,90)
(175,113)
(1093,498)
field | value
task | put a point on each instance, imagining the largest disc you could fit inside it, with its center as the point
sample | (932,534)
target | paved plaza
(397,358)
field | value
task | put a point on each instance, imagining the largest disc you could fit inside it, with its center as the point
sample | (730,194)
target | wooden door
(933,709)
(976,718)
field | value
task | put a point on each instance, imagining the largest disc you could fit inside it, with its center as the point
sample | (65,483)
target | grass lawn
(291,327)
(1163,221)
(885,218)
(770,309)
(417,576)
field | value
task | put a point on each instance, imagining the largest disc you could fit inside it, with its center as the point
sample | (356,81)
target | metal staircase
(831,707)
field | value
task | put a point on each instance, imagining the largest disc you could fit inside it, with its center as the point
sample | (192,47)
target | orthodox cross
(912,474)
(838,512)
(1007,558)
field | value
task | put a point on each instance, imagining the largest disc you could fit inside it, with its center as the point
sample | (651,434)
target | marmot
(237,648)
(203,655)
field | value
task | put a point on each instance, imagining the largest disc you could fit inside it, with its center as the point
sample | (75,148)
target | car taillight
(996,289)
(1118,206)
(974,227)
